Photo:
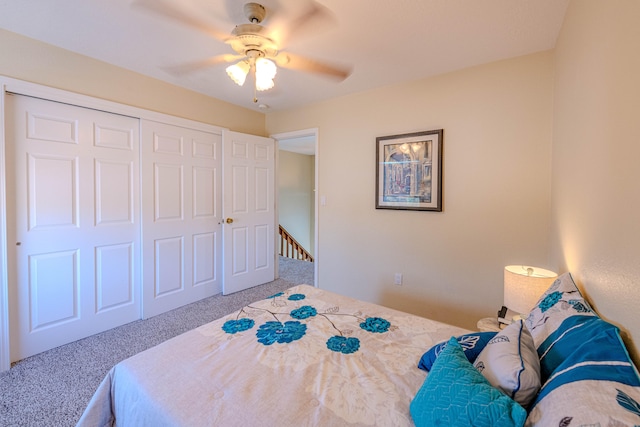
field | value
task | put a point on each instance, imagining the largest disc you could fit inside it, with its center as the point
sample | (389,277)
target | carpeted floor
(53,388)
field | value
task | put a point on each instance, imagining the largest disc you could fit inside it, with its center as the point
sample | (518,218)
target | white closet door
(73,210)
(249,208)
(181,179)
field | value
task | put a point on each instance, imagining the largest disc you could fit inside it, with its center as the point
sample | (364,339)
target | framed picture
(409,171)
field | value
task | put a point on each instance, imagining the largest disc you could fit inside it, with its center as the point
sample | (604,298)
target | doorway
(297,189)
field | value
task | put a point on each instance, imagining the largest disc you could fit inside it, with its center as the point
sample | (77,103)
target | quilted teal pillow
(456,394)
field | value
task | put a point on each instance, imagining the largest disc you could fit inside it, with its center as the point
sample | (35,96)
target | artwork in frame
(409,171)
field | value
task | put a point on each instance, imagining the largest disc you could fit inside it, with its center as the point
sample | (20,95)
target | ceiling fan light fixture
(266,68)
(264,84)
(238,72)
(265,72)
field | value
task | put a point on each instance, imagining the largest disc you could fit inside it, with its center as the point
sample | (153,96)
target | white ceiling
(384,41)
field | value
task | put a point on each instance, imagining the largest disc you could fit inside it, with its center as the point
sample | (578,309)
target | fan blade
(169,10)
(310,20)
(314,16)
(301,63)
(190,67)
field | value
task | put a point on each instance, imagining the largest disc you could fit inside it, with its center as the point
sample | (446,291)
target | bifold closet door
(181,199)
(73,220)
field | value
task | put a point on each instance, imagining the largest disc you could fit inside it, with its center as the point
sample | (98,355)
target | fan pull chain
(255,83)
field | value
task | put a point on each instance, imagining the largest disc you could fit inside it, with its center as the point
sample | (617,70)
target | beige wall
(497,144)
(33,61)
(295,196)
(596,149)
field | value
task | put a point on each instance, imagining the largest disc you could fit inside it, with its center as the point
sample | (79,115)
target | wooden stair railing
(290,248)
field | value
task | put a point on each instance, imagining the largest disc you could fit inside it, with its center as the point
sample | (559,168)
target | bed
(309,357)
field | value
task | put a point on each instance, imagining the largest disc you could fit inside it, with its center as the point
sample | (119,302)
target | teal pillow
(456,394)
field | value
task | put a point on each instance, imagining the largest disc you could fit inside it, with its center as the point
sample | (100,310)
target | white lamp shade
(264,84)
(238,72)
(265,72)
(523,286)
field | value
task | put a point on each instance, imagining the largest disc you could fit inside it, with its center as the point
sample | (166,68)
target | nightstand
(488,324)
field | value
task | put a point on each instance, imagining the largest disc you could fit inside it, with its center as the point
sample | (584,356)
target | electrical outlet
(397,280)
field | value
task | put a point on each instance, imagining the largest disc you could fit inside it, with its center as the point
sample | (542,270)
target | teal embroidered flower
(550,300)
(303,312)
(375,324)
(296,297)
(272,332)
(279,294)
(343,345)
(233,326)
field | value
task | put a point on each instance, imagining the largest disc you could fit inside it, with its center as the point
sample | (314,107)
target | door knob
(229,220)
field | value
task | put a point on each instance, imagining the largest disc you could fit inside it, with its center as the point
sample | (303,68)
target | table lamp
(523,286)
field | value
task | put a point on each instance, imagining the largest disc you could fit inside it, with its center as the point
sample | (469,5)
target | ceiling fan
(256,50)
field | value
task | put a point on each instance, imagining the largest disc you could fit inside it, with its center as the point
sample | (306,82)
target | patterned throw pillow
(472,344)
(560,301)
(456,394)
(587,375)
(596,384)
(562,343)
(510,363)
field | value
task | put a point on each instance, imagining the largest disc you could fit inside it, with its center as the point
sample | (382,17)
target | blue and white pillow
(560,301)
(572,334)
(472,344)
(587,374)
(510,363)
(596,384)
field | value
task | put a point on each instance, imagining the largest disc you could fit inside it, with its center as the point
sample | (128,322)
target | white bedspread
(330,361)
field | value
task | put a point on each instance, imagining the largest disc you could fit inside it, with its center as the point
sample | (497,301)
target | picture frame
(409,171)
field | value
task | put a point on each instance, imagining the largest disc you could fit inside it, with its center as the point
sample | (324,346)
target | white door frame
(5,358)
(313,132)
(8,84)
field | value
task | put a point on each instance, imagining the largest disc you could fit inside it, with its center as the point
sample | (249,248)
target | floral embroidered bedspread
(304,357)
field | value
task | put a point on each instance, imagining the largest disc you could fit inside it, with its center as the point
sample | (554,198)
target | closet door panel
(168,192)
(73,207)
(114,276)
(114,192)
(181,215)
(52,191)
(53,277)
(205,247)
